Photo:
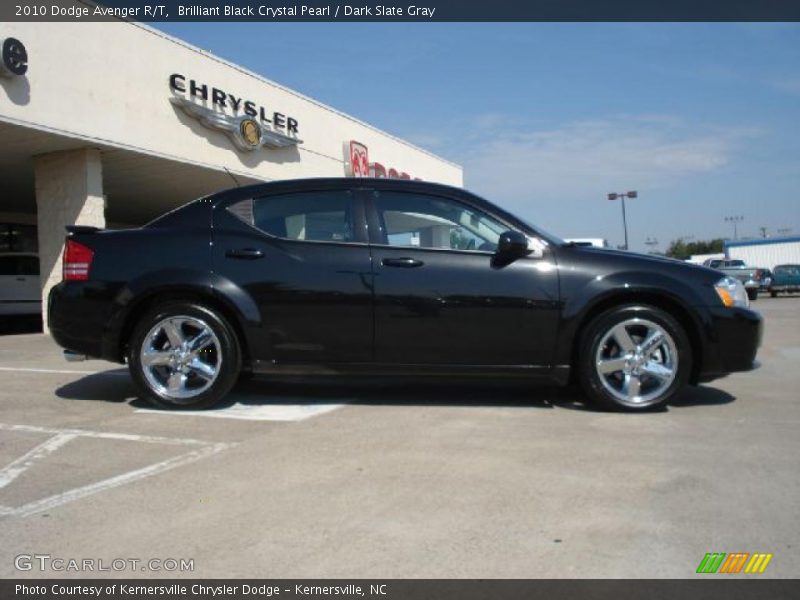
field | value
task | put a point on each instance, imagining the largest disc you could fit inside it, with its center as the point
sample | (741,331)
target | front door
(441,298)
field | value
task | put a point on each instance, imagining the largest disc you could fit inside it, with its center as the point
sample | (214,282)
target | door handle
(22,279)
(245,253)
(405,262)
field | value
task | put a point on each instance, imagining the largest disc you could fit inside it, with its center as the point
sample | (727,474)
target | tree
(681,250)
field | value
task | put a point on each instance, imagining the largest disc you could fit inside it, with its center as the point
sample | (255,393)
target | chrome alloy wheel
(181,357)
(636,361)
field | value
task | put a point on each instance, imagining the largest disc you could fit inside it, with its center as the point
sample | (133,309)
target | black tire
(752,294)
(673,356)
(773,294)
(223,355)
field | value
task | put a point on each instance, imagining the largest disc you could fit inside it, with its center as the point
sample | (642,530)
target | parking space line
(59,437)
(130,437)
(62,371)
(116,481)
(17,467)
(270,411)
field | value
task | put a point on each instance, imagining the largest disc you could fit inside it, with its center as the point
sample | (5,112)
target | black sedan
(379,276)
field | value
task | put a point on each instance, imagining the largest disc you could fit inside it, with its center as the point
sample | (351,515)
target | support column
(69,191)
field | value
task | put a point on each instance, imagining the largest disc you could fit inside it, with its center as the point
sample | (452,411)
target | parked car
(386,276)
(786,279)
(20,293)
(764,277)
(749,276)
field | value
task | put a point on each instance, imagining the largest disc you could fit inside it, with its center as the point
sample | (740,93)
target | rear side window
(322,216)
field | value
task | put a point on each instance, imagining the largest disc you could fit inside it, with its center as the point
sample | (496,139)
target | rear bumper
(77,315)
(733,337)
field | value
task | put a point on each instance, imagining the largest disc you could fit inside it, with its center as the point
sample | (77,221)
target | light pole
(622,197)
(735,220)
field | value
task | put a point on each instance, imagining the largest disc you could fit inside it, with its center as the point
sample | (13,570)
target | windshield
(550,237)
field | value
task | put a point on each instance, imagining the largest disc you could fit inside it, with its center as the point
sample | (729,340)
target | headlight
(732,293)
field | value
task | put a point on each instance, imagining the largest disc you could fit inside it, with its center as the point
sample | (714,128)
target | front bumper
(733,337)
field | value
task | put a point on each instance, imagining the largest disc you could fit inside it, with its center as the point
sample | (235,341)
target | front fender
(584,296)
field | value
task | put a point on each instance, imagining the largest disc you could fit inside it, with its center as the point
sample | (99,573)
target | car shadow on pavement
(405,393)
(702,395)
(108,386)
(116,386)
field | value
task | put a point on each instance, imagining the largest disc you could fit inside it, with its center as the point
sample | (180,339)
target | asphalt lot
(399,481)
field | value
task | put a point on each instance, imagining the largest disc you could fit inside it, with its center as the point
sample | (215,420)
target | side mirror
(512,244)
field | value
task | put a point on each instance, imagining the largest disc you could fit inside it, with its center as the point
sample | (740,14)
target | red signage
(357,164)
(358,160)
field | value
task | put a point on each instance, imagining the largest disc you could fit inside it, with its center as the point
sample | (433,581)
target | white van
(20,293)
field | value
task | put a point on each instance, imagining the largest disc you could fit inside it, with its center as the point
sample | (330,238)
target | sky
(702,120)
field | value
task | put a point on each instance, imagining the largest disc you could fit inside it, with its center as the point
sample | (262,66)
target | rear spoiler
(81,229)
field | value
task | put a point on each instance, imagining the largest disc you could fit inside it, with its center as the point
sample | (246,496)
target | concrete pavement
(413,481)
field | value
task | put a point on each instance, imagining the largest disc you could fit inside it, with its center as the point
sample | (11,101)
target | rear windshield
(19,265)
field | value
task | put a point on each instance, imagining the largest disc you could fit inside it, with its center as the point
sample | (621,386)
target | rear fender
(141,291)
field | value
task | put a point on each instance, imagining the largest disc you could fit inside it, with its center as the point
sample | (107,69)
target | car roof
(310,183)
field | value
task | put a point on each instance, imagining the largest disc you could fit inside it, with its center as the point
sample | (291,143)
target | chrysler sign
(249,125)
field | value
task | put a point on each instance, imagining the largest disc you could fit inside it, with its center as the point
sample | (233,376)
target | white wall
(109,82)
(767,255)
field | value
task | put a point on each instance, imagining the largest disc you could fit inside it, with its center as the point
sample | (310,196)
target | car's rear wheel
(634,358)
(752,294)
(773,294)
(184,355)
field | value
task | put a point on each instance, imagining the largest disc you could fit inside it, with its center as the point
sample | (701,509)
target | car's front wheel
(634,358)
(183,355)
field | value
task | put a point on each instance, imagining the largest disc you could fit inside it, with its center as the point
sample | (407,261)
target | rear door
(303,258)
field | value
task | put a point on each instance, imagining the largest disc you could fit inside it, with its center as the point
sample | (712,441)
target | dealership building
(111,124)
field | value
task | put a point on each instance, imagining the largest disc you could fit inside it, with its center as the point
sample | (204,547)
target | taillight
(77,261)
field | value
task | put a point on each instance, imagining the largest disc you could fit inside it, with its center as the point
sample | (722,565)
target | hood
(630,259)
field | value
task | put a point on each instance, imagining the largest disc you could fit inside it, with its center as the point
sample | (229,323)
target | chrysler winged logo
(245,131)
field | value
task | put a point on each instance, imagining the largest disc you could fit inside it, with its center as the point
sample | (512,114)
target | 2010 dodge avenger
(394,277)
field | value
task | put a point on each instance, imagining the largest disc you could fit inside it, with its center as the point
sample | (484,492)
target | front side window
(321,216)
(423,221)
